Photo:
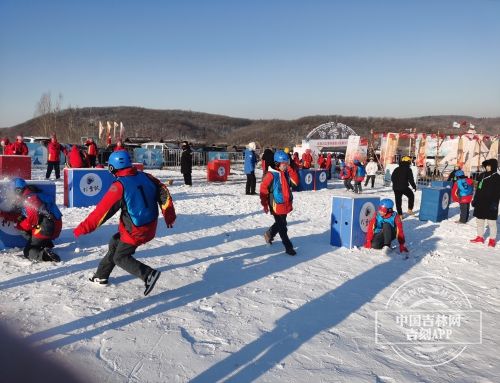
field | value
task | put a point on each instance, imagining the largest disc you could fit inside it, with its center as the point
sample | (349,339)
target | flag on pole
(122,130)
(108,124)
(115,125)
(456,124)
(108,141)
(101,129)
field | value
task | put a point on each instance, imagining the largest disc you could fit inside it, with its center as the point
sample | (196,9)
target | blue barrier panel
(9,235)
(321,179)
(39,155)
(306,180)
(217,156)
(441,184)
(350,218)
(85,186)
(150,158)
(434,204)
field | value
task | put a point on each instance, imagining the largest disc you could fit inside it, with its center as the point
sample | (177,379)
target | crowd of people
(40,221)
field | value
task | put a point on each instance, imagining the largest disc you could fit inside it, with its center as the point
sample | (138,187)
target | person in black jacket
(186,163)
(486,201)
(401,177)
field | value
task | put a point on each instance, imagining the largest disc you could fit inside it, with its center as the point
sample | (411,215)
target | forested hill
(73,123)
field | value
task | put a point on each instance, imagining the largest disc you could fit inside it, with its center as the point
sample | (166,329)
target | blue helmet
(386,205)
(119,160)
(459,173)
(281,156)
(18,185)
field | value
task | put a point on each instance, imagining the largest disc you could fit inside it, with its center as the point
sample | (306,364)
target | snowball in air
(77,250)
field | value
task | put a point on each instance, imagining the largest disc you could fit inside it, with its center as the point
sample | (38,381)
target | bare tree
(47,111)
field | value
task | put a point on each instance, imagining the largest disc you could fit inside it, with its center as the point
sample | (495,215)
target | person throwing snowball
(137,194)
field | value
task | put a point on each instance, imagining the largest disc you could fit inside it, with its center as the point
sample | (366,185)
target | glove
(402,248)
(266,209)
(368,245)
(77,232)
(170,216)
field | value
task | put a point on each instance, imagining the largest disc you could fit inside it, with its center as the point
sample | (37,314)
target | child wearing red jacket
(276,197)
(384,227)
(38,219)
(346,175)
(462,192)
(137,194)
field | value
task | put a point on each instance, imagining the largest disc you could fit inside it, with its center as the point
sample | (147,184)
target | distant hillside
(73,123)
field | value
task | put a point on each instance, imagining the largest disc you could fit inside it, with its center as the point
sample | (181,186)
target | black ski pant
(464,212)
(33,249)
(384,237)
(53,165)
(398,196)
(187,179)
(120,254)
(279,226)
(348,184)
(92,161)
(251,183)
(368,178)
(357,187)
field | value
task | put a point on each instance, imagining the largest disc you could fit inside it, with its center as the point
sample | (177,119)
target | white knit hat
(251,146)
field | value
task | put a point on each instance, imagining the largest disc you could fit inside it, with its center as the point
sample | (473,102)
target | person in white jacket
(371,170)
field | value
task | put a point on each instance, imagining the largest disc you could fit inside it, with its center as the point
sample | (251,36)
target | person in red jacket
(276,197)
(133,192)
(38,219)
(119,146)
(7,147)
(321,161)
(307,159)
(296,160)
(462,192)
(346,174)
(92,152)
(384,227)
(54,149)
(328,166)
(19,148)
(77,158)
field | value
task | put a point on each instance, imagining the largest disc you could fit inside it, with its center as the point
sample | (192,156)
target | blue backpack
(361,171)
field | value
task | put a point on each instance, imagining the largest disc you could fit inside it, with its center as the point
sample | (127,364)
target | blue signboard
(39,154)
(150,158)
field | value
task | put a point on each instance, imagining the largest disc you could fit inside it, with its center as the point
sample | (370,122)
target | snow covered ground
(229,308)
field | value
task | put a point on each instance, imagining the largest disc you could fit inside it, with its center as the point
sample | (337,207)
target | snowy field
(229,308)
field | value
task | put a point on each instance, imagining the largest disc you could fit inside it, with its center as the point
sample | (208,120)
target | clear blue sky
(256,58)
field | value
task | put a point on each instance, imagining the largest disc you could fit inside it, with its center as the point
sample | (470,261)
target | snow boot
(478,239)
(151,281)
(99,281)
(268,238)
(291,251)
(492,242)
(49,255)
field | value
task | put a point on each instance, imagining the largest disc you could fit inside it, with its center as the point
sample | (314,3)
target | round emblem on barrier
(365,215)
(90,184)
(445,201)
(221,171)
(308,178)
(322,177)
(8,227)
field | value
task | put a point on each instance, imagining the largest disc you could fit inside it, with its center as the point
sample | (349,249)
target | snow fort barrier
(218,170)
(435,203)
(15,166)
(9,235)
(441,184)
(85,186)
(350,218)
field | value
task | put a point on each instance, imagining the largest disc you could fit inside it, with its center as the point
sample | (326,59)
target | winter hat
(251,145)
(491,162)
(19,138)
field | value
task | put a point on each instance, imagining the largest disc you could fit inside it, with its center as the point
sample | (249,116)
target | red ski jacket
(276,192)
(113,201)
(54,149)
(19,148)
(92,148)
(372,227)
